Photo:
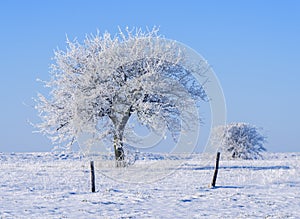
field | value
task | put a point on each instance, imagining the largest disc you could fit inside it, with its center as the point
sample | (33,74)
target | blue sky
(253,47)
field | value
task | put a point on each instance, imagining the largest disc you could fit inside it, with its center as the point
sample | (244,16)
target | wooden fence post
(93,176)
(213,183)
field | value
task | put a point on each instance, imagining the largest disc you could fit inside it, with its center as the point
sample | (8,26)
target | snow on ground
(45,185)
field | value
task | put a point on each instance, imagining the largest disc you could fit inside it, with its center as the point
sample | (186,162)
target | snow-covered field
(45,185)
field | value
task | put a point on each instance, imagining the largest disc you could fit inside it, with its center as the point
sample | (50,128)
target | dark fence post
(93,176)
(213,183)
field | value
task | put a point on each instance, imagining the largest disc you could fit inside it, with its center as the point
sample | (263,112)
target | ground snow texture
(47,185)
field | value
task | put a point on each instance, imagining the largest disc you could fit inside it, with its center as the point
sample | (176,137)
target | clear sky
(253,47)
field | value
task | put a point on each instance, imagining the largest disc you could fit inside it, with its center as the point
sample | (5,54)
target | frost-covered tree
(239,140)
(98,85)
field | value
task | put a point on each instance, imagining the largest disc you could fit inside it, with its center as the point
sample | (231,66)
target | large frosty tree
(98,85)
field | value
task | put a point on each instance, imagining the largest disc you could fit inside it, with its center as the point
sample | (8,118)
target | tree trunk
(119,152)
(120,120)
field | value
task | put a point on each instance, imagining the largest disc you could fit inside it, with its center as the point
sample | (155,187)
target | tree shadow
(227,187)
(256,167)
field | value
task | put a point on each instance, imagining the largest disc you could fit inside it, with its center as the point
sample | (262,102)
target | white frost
(43,185)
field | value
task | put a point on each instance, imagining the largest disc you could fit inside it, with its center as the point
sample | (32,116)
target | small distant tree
(98,85)
(239,140)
